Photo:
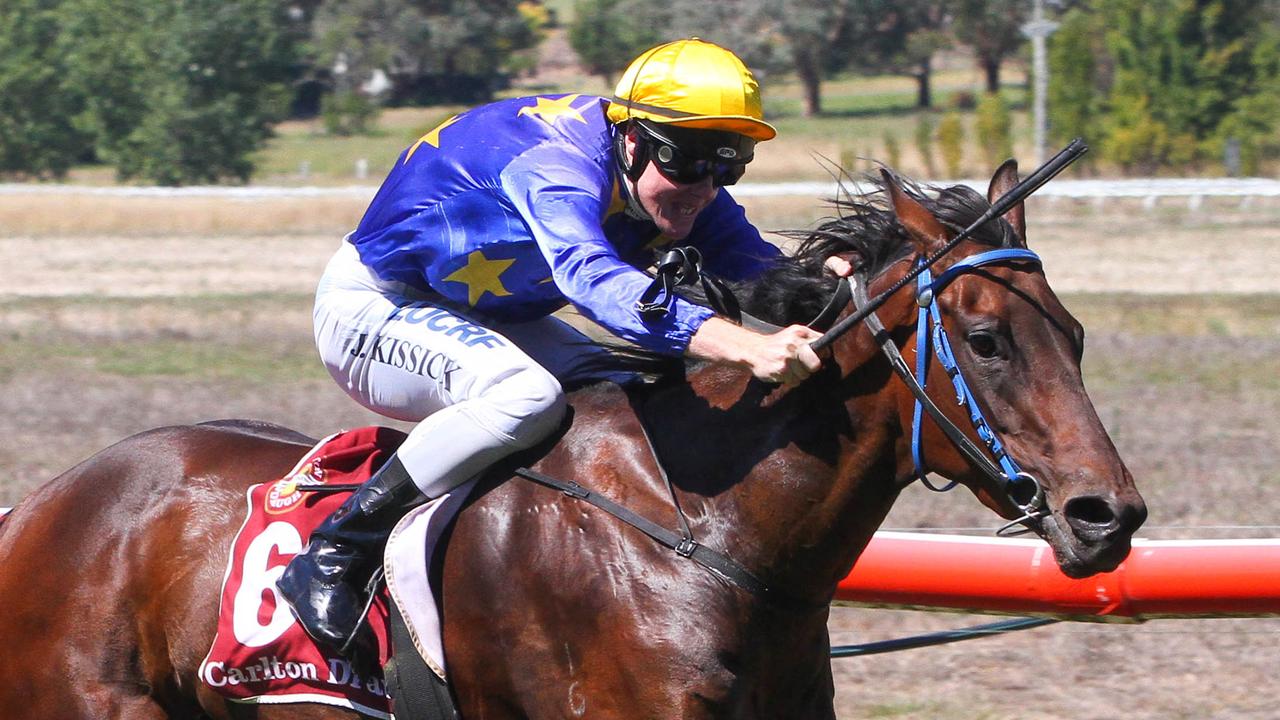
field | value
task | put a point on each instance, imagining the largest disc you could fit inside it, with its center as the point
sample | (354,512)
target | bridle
(1022,489)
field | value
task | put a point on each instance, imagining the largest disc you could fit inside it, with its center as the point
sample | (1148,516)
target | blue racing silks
(515,209)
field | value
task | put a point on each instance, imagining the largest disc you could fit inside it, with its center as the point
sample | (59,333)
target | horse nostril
(1092,518)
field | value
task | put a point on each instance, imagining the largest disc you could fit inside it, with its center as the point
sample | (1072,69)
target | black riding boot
(326,584)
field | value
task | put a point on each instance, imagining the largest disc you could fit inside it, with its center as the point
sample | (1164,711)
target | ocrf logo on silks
(284,494)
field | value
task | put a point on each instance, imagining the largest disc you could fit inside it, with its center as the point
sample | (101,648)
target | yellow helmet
(694,84)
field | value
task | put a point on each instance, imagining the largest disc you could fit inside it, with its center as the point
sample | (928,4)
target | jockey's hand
(782,357)
(838,266)
(785,356)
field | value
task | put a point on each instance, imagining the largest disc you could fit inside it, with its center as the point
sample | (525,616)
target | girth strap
(417,693)
(683,545)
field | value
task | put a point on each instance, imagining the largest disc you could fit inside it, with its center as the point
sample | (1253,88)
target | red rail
(1160,578)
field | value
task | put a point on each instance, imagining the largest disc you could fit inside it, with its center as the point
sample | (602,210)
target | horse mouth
(1077,558)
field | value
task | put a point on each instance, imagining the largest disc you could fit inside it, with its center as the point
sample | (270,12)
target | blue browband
(932,337)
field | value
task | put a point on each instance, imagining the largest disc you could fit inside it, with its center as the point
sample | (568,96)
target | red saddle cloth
(260,654)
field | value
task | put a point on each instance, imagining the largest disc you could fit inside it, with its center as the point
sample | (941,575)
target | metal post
(1038,30)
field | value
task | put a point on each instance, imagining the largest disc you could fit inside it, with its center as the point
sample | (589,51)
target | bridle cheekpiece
(1022,489)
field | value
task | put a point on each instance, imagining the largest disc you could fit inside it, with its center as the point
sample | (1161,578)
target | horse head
(1004,370)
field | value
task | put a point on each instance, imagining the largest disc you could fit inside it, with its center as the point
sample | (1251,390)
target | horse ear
(1005,178)
(926,232)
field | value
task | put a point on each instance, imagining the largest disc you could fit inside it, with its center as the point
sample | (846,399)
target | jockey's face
(673,206)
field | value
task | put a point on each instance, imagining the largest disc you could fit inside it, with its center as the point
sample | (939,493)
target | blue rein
(1023,490)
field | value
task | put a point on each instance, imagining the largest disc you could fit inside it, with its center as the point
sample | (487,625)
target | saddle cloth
(260,654)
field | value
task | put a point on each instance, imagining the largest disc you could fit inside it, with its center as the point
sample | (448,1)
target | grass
(265,338)
(1222,316)
(905,708)
(1219,374)
(235,311)
(260,338)
(173,358)
(332,160)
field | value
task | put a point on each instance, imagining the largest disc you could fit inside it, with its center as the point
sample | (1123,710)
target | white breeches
(477,393)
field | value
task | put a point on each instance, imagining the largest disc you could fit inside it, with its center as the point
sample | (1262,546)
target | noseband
(1021,488)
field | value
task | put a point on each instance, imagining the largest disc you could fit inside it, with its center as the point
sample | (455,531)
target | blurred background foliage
(180,92)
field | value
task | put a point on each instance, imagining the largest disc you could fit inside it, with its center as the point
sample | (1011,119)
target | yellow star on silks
(432,138)
(552,110)
(481,275)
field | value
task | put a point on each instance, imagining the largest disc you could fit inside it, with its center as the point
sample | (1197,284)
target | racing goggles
(687,155)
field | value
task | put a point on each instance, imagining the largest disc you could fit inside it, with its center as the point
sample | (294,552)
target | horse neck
(792,482)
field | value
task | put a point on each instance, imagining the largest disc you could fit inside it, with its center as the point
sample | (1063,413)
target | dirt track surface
(1196,416)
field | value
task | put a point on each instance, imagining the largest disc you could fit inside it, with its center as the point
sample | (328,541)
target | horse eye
(983,344)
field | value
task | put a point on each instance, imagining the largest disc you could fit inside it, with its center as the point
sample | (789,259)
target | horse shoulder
(534,578)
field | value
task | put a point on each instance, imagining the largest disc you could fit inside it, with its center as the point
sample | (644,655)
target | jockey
(437,308)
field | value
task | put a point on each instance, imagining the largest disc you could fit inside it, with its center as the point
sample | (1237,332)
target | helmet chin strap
(630,171)
(634,209)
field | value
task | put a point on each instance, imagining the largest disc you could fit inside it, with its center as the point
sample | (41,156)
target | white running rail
(1146,188)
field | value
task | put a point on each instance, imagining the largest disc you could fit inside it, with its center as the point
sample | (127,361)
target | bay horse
(109,574)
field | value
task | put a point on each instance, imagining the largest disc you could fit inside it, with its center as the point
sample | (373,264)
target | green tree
(743,26)
(994,128)
(813,31)
(353,42)
(177,93)
(607,34)
(37,136)
(348,112)
(951,143)
(1168,83)
(1253,117)
(1185,72)
(427,50)
(811,38)
(1252,123)
(899,37)
(924,142)
(1152,91)
(993,28)
(1075,100)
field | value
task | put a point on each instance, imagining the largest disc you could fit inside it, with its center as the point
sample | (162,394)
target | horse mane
(795,287)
